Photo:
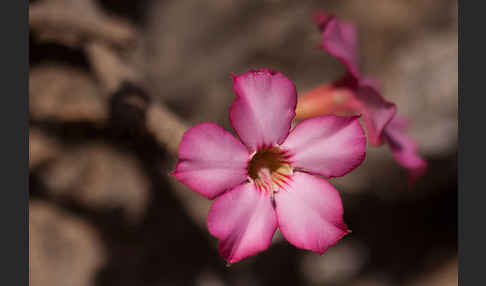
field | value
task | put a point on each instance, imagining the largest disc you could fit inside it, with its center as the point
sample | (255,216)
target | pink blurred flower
(266,180)
(340,40)
(353,93)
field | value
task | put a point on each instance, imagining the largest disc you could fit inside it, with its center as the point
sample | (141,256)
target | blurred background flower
(114,84)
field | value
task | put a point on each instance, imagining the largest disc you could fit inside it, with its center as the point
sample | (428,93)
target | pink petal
(244,221)
(328,145)
(377,112)
(310,213)
(211,160)
(404,148)
(367,101)
(321,100)
(264,107)
(340,40)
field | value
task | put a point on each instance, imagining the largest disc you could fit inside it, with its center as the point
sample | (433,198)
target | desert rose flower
(340,40)
(273,176)
(353,93)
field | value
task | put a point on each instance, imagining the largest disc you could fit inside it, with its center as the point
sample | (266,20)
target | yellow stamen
(270,169)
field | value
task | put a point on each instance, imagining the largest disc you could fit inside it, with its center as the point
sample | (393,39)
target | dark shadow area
(53,52)
(401,234)
(132,10)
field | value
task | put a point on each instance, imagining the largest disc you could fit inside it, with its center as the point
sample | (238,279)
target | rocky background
(114,83)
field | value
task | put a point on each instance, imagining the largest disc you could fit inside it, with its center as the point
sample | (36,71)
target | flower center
(270,169)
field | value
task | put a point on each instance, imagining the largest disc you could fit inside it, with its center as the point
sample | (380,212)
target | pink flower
(266,180)
(340,40)
(355,94)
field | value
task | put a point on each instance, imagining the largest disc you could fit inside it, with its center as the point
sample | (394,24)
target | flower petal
(310,213)
(244,221)
(264,107)
(404,148)
(323,99)
(211,160)
(376,111)
(328,145)
(340,40)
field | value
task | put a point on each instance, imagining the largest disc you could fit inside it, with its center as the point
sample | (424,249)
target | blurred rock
(63,93)
(76,22)
(192,47)
(99,177)
(388,25)
(209,279)
(41,148)
(445,275)
(341,263)
(63,250)
(423,82)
